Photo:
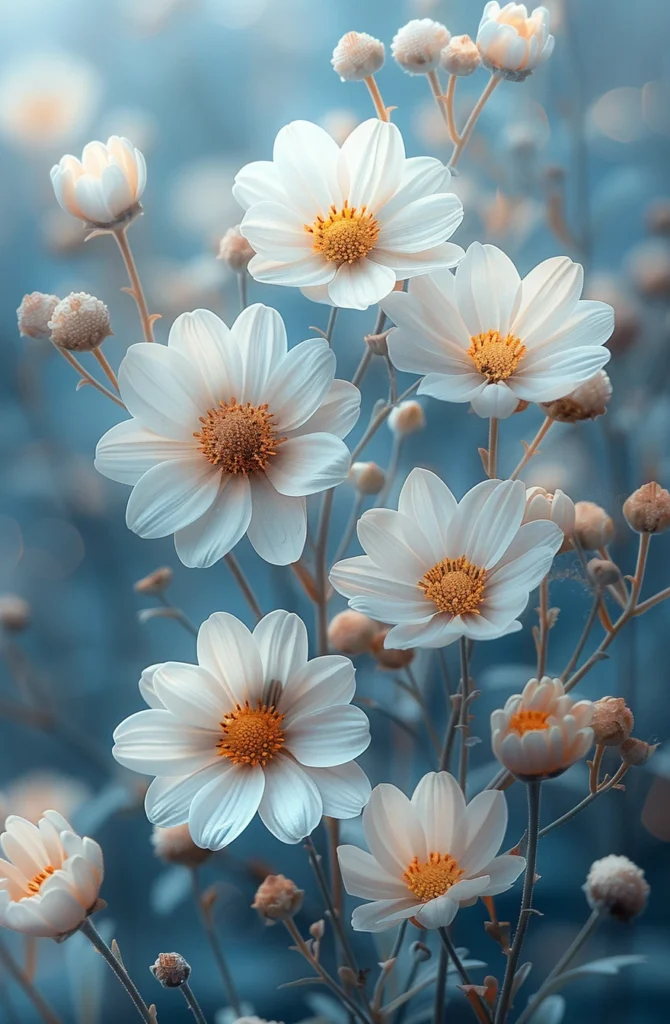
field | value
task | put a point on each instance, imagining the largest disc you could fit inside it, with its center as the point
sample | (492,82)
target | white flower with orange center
(105,186)
(512,42)
(441,569)
(253,727)
(487,337)
(542,731)
(230,432)
(51,879)
(346,223)
(429,856)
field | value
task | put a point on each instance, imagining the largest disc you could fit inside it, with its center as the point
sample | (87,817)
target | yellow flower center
(455,586)
(528,720)
(252,735)
(432,878)
(494,356)
(238,438)
(344,236)
(35,884)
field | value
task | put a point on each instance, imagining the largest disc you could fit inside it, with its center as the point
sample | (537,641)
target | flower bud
(612,721)
(602,572)
(586,402)
(657,217)
(171,970)
(616,886)
(460,56)
(647,510)
(357,56)
(378,343)
(351,632)
(235,250)
(388,657)
(512,42)
(80,323)
(156,582)
(367,477)
(650,269)
(175,846)
(558,508)
(277,899)
(594,529)
(407,418)
(14,613)
(417,46)
(34,314)
(636,752)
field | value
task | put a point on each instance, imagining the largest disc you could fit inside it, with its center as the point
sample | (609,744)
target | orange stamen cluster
(432,878)
(455,586)
(35,884)
(346,235)
(238,438)
(528,720)
(495,356)
(252,734)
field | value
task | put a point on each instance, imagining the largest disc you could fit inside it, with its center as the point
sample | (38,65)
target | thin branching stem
(119,970)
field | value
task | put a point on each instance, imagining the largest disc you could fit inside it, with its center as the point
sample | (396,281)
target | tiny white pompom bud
(351,632)
(357,56)
(34,314)
(460,56)
(235,251)
(586,402)
(417,46)
(14,613)
(80,323)
(594,528)
(155,582)
(367,477)
(617,886)
(407,418)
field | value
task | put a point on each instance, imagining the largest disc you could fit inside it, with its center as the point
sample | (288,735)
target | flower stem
(119,970)
(242,281)
(472,120)
(88,377)
(445,103)
(583,804)
(322,972)
(321,571)
(210,931)
(593,614)
(106,368)
(330,328)
(461,970)
(543,640)
(533,446)
(243,584)
(29,990)
(383,112)
(121,236)
(440,987)
(464,715)
(192,1003)
(492,468)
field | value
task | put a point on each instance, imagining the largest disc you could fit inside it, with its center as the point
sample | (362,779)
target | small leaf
(484,456)
(117,952)
(520,977)
(550,1011)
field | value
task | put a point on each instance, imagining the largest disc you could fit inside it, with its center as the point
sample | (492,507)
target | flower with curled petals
(253,727)
(439,569)
(429,856)
(51,879)
(105,186)
(230,433)
(512,43)
(346,223)
(487,337)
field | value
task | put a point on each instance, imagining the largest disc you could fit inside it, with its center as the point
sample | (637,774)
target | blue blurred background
(574,160)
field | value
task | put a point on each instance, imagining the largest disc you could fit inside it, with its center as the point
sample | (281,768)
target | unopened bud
(367,477)
(594,529)
(648,509)
(235,250)
(14,613)
(558,508)
(80,323)
(351,632)
(602,572)
(388,657)
(420,952)
(636,752)
(277,899)
(460,56)
(417,46)
(156,582)
(357,56)
(34,314)
(175,846)
(586,402)
(171,970)
(317,930)
(378,343)
(657,217)
(612,721)
(650,268)
(407,418)
(617,886)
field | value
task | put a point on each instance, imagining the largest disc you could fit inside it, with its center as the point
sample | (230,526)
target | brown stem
(121,236)
(107,369)
(88,377)
(243,584)
(383,112)
(533,446)
(472,120)
(544,628)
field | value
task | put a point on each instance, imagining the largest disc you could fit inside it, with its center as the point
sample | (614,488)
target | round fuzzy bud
(171,970)
(657,217)
(407,418)
(460,56)
(636,752)
(351,632)
(34,314)
(277,899)
(367,477)
(617,886)
(602,572)
(175,846)
(650,268)
(388,657)
(586,402)
(612,721)
(235,251)
(594,529)
(80,323)
(417,46)
(14,613)
(648,509)
(357,56)
(156,582)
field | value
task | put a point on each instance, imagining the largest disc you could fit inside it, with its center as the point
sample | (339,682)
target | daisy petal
(393,830)
(217,532)
(361,284)
(484,827)
(338,412)
(170,496)
(228,651)
(440,805)
(421,224)
(128,450)
(168,800)
(371,164)
(364,877)
(223,808)
(301,383)
(204,340)
(306,158)
(308,464)
(278,527)
(488,289)
(291,807)
(344,789)
(328,737)
(162,391)
(281,638)
(155,743)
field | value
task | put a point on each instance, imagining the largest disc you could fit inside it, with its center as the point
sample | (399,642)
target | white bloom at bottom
(253,727)
(429,856)
(51,879)
(542,731)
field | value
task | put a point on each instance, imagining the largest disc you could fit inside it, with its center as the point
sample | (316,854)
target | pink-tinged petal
(361,284)
(217,532)
(278,527)
(291,807)
(229,652)
(256,182)
(168,800)
(203,339)
(308,464)
(306,158)
(128,450)
(363,876)
(372,163)
(440,806)
(328,737)
(171,496)
(61,910)
(317,684)
(277,232)
(260,336)
(281,638)
(488,289)
(301,383)
(344,789)
(393,830)
(162,391)
(155,743)
(337,414)
(225,806)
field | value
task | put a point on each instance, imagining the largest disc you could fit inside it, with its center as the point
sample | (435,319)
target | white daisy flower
(51,879)
(254,726)
(345,223)
(511,41)
(230,432)
(542,731)
(429,855)
(487,337)
(105,186)
(439,569)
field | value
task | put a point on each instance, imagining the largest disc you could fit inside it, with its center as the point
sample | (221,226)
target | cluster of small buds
(612,721)
(636,752)
(460,56)
(417,46)
(80,323)
(351,632)
(617,887)
(367,477)
(14,613)
(407,418)
(175,846)
(647,510)
(594,528)
(34,314)
(235,251)
(357,56)
(602,572)
(389,658)
(155,582)
(277,899)
(586,402)
(171,970)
